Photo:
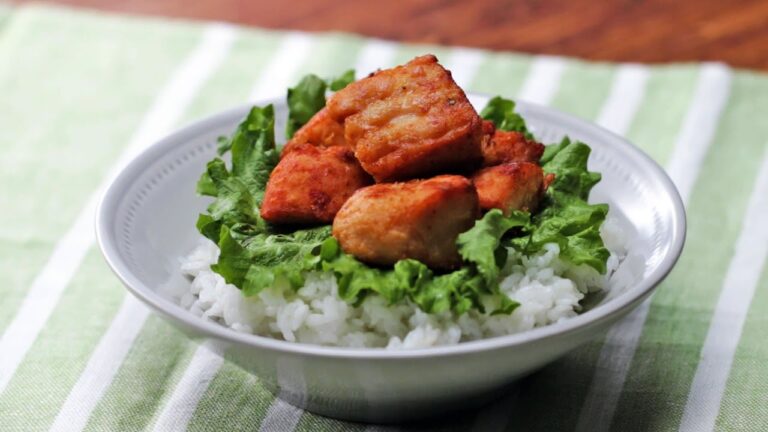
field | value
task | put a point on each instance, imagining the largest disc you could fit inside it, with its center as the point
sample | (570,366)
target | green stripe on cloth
(745,403)
(151,369)
(654,129)
(160,353)
(34,395)
(583,89)
(679,317)
(80,347)
(501,74)
(310,422)
(234,400)
(332,55)
(5,12)
(50,120)
(120,292)
(229,87)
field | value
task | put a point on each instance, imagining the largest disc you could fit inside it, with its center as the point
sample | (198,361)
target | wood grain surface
(619,30)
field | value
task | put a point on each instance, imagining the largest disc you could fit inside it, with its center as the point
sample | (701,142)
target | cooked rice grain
(548,290)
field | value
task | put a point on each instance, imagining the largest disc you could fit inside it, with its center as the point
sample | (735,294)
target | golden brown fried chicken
(510,186)
(500,146)
(310,184)
(419,219)
(321,131)
(409,121)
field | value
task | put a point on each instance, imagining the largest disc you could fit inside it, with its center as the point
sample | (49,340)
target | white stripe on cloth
(541,84)
(627,93)
(181,405)
(45,292)
(281,417)
(69,252)
(278,75)
(610,372)
(741,279)
(376,54)
(699,127)
(106,359)
(543,80)
(463,64)
(102,366)
(693,141)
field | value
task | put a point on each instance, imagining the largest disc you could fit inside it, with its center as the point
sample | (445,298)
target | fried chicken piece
(510,186)
(409,121)
(500,146)
(321,131)
(419,219)
(310,184)
(488,129)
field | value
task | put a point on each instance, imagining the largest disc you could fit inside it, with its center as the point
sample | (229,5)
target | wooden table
(620,30)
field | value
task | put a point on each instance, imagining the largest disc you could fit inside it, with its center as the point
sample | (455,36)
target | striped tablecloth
(81,92)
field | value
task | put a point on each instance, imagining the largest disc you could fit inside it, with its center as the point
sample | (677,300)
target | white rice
(548,290)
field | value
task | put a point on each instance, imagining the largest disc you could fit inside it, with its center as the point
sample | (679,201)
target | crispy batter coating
(410,121)
(419,219)
(321,130)
(510,186)
(310,184)
(500,146)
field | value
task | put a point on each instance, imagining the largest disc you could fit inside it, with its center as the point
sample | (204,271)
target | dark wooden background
(624,30)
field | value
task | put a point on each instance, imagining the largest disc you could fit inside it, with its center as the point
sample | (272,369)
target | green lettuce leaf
(239,191)
(568,162)
(234,259)
(254,155)
(566,218)
(253,259)
(502,113)
(482,246)
(223,144)
(304,100)
(308,97)
(457,291)
(274,256)
(341,81)
(575,226)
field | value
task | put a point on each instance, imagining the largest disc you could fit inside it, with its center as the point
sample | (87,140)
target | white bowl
(146,222)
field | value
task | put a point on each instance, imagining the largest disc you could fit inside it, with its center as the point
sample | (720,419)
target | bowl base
(447,410)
